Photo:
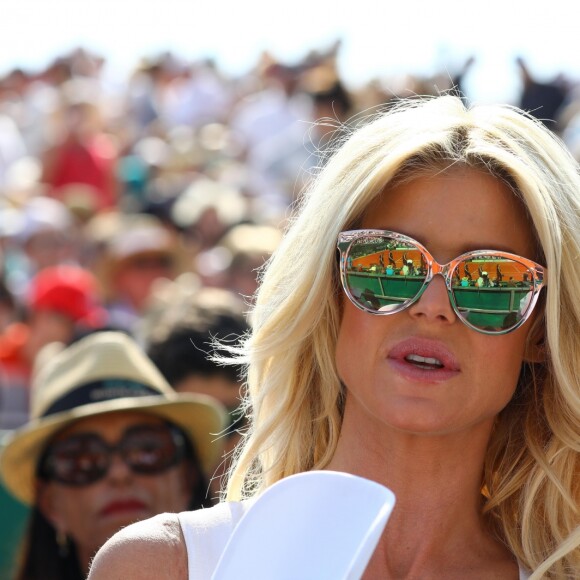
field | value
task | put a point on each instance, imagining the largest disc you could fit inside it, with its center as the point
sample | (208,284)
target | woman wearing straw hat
(109,443)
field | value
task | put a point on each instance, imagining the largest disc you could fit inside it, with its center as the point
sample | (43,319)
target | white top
(207,531)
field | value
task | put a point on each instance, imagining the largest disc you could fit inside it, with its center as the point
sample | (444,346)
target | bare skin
(149,550)
(436,530)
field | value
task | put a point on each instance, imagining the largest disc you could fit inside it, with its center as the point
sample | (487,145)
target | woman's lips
(423,360)
(123,506)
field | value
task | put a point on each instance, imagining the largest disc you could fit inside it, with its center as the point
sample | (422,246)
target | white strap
(206,532)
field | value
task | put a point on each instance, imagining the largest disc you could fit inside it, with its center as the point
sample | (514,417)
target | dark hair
(185,348)
(199,482)
(42,558)
(6,297)
(335,95)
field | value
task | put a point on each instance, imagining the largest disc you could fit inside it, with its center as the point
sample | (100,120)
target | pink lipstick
(423,360)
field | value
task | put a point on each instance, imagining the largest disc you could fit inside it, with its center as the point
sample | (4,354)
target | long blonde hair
(294,396)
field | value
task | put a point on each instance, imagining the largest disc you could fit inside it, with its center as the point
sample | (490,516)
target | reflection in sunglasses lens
(492,292)
(384,274)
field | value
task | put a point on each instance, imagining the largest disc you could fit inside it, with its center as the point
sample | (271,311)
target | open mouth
(423,362)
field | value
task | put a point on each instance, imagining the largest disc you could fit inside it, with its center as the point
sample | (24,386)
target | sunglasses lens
(383,274)
(152,449)
(85,458)
(78,460)
(493,293)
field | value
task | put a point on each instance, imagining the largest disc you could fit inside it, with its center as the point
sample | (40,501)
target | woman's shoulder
(170,546)
(149,549)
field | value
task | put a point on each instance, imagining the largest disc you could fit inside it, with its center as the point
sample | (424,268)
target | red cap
(68,290)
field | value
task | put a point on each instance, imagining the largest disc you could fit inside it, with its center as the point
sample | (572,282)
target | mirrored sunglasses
(384,272)
(84,458)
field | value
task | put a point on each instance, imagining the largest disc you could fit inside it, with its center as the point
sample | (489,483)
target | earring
(62,541)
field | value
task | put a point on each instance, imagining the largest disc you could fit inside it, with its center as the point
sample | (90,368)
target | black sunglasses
(84,458)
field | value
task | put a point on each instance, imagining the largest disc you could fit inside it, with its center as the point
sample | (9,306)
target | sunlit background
(380,37)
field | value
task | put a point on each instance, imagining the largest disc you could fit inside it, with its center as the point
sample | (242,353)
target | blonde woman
(462,400)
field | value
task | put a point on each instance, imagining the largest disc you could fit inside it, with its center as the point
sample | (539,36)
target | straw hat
(102,373)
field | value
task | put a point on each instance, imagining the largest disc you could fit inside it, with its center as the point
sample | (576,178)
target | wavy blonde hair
(294,396)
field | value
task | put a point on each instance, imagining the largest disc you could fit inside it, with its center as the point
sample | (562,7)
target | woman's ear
(535,348)
(535,353)
(47,504)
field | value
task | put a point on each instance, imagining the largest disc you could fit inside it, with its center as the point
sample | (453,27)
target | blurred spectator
(333,104)
(62,303)
(182,339)
(83,153)
(206,210)
(43,236)
(197,95)
(272,124)
(136,251)
(99,397)
(12,146)
(458,79)
(184,334)
(235,261)
(543,100)
(8,308)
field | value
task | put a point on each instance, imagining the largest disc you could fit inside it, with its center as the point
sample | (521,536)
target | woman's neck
(437,524)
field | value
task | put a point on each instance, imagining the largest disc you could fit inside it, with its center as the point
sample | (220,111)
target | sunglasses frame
(49,471)
(434,268)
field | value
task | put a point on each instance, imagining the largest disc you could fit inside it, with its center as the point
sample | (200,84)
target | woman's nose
(118,469)
(434,304)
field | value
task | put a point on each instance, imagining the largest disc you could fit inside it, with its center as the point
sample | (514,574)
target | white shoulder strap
(206,532)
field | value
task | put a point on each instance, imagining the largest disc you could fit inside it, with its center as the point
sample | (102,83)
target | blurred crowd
(178,170)
(149,206)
